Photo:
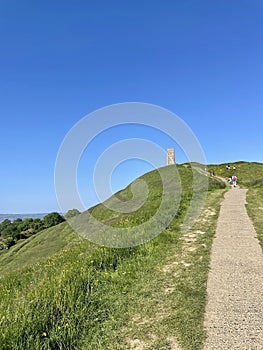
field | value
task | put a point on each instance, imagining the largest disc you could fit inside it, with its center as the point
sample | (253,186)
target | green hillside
(248,174)
(37,247)
(60,291)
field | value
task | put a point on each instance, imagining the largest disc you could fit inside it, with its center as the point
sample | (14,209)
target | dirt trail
(234,312)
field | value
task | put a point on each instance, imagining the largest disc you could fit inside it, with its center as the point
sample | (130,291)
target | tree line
(11,232)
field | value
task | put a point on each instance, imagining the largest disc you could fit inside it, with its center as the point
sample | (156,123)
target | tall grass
(52,304)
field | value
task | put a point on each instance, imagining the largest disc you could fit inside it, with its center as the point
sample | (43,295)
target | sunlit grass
(88,297)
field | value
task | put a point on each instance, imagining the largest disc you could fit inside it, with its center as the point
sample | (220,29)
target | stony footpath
(234,311)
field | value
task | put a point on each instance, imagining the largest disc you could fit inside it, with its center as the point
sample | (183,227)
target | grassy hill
(59,291)
(37,247)
(248,174)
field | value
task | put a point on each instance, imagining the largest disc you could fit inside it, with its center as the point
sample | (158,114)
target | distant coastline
(13,217)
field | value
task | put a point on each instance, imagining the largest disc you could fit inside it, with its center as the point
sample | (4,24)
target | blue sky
(61,60)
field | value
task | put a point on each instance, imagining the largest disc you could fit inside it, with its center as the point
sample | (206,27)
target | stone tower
(170,156)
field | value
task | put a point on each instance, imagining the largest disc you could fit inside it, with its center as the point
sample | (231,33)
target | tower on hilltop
(170,156)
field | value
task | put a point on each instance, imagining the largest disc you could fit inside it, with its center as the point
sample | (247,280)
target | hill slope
(86,296)
(52,240)
(248,173)
(37,247)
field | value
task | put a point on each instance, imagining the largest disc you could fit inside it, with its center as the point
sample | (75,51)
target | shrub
(258,182)
(52,219)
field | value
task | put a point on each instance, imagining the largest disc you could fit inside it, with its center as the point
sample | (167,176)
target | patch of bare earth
(173,343)
(136,344)
(190,238)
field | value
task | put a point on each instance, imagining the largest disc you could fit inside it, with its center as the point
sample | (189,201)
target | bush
(71,213)
(52,219)
(216,184)
(258,182)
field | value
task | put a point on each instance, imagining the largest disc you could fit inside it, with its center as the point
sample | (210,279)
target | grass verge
(255,209)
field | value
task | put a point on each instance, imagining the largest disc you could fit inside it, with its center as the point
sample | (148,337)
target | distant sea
(12,217)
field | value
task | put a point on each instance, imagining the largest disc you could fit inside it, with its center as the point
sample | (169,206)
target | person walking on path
(234,180)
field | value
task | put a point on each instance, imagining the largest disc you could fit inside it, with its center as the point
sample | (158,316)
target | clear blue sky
(60,60)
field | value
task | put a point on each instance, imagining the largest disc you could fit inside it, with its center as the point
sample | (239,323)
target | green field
(60,291)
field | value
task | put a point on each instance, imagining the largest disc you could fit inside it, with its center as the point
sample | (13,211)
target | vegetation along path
(234,310)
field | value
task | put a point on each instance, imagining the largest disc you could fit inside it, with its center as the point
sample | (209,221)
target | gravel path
(234,311)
